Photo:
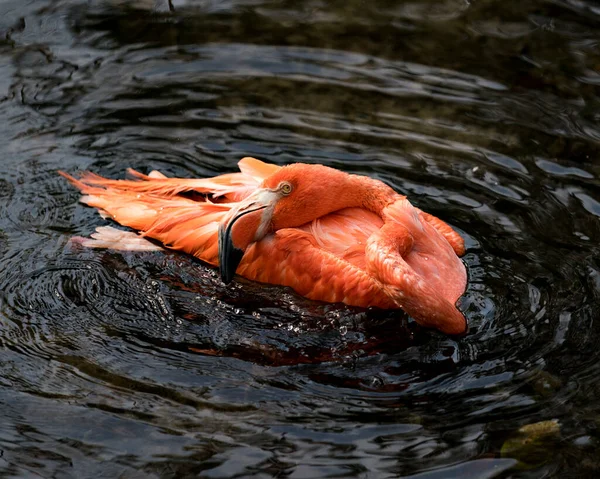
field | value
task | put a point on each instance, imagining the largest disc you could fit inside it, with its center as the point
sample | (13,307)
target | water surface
(485,113)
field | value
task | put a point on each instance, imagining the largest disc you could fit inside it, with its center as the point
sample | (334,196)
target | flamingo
(329,235)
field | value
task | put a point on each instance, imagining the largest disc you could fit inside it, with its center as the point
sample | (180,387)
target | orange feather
(358,242)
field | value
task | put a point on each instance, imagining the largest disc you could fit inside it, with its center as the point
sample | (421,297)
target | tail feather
(177,222)
(107,237)
(224,185)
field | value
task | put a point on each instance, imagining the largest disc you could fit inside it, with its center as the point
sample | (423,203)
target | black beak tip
(230,261)
(229,255)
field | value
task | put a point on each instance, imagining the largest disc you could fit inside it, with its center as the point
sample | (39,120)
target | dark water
(486,113)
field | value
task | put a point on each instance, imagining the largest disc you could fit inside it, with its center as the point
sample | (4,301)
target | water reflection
(485,114)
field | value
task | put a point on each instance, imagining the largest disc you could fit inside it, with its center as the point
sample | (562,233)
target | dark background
(486,113)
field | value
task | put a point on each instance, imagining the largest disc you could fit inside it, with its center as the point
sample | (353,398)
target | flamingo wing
(344,233)
(326,258)
(292,257)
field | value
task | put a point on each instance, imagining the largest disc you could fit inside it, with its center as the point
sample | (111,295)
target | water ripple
(116,364)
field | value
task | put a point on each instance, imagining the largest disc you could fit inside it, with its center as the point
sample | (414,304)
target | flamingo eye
(285,188)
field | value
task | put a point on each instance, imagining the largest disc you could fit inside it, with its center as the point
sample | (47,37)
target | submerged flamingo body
(328,235)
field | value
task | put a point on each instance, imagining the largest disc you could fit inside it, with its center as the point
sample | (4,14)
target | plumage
(329,235)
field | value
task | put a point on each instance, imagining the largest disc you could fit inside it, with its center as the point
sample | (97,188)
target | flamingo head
(293,196)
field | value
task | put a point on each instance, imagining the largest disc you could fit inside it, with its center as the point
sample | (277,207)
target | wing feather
(259,170)
(177,222)
(292,257)
(345,233)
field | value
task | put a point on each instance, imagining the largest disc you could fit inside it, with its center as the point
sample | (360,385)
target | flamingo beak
(247,223)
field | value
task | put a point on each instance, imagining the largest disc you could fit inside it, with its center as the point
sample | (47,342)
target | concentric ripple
(144,364)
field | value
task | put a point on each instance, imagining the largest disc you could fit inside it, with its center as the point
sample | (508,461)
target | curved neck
(368,193)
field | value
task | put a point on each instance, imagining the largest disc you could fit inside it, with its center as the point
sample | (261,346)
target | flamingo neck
(368,193)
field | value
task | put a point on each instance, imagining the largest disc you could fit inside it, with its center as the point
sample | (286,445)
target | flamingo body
(334,237)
